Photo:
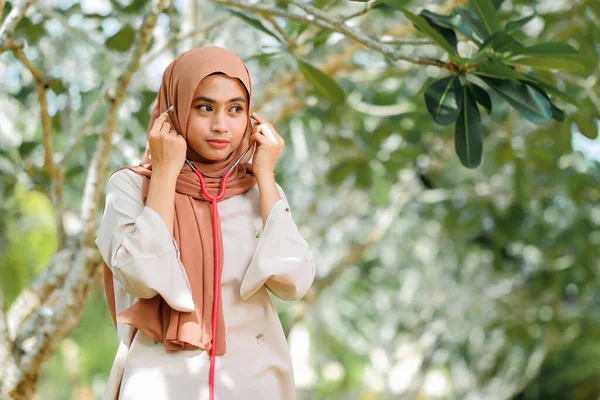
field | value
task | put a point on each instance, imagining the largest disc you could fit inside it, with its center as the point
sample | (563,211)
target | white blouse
(144,259)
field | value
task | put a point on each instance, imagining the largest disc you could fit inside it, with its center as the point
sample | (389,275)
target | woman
(156,238)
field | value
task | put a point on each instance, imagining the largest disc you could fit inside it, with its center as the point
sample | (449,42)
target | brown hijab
(192,223)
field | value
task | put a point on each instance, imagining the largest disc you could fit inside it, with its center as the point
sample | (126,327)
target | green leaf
(26,148)
(563,63)
(422,24)
(380,187)
(134,7)
(529,101)
(7,9)
(454,21)
(498,70)
(587,125)
(481,96)
(122,40)
(497,4)
(264,59)
(512,26)
(316,3)
(563,138)
(389,4)
(487,14)
(551,55)
(320,38)
(443,101)
(253,23)
(468,135)
(57,86)
(550,49)
(553,91)
(30,31)
(502,42)
(474,27)
(72,9)
(323,83)
(590,107)
(447,33)
(557,113)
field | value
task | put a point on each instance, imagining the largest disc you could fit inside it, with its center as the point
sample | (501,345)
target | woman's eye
(237,109)
(203,107)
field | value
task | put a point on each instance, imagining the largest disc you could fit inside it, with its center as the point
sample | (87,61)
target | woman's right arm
(136,243)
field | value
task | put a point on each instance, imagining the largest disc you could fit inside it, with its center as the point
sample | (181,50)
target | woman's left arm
(281,261)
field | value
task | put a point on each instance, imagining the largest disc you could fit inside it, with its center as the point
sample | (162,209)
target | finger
(165,128)
(158,122)
(258,138)
(258,118)
(267,131)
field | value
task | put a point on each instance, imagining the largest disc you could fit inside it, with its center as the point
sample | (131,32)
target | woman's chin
(213,155)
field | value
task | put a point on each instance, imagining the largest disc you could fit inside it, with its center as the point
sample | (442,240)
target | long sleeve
(137,246)
(282,260)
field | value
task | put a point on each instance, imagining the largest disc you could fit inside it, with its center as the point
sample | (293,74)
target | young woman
(160,252)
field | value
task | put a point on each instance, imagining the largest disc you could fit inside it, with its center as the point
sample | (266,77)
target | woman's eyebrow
(211,101)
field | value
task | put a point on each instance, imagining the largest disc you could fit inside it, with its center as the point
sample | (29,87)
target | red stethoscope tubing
(217,257)
(217,275)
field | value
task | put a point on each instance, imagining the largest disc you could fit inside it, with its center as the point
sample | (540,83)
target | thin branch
(290,43)
(42,89)
(78,32)
(407,42)
(56,191)
(12,20)
(2,4)
(356,14)
(81,131)
(318,18)
(383,222)
(184,36)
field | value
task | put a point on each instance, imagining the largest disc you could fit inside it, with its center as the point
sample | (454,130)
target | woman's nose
(219,122)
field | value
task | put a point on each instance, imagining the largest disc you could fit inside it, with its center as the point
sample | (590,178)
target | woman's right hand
(167,147)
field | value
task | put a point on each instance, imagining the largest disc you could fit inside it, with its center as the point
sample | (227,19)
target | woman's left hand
(269,146)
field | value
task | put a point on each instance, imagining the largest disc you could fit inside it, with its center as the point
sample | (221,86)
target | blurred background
(434,281)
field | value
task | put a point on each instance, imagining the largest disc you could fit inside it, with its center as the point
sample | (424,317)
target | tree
(329,85)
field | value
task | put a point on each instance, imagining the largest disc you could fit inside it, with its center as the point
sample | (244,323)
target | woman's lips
(218,144)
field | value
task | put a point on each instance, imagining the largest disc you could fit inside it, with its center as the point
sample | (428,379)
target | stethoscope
(217,256)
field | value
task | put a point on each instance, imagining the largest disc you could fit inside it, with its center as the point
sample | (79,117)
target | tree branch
(405,42)
(47,325)
(98,167)
(44,284)
(318,18)
(12,20)
(7,360)
(42,89)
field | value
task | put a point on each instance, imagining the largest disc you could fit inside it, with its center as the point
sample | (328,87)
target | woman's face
(218,119)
